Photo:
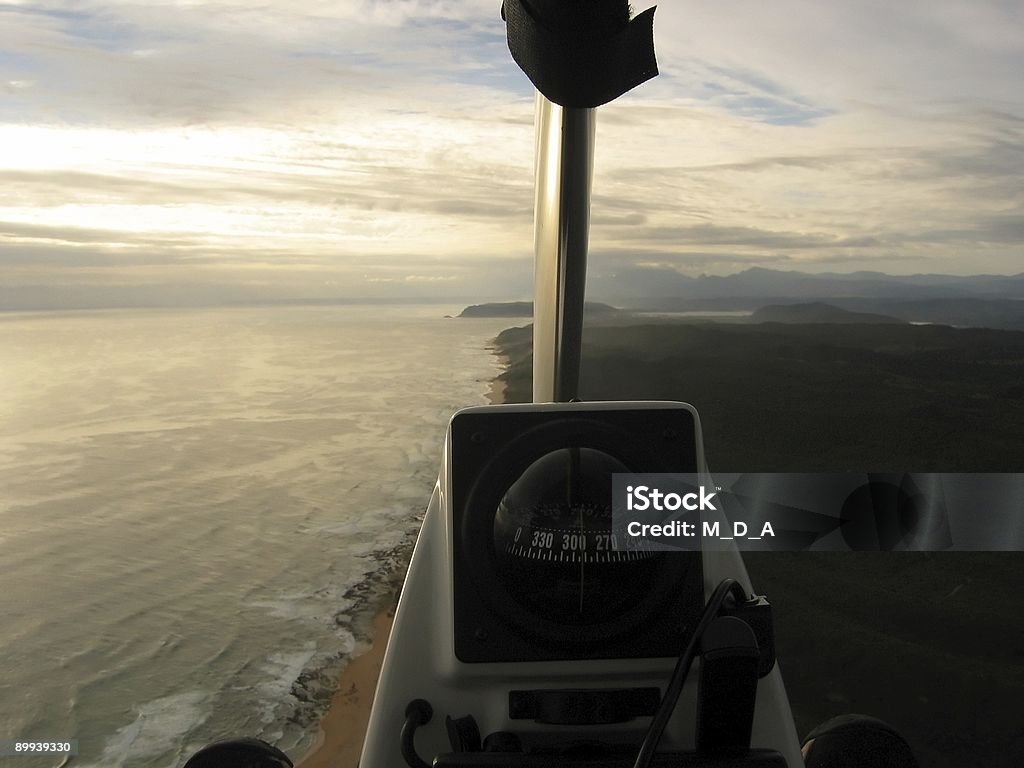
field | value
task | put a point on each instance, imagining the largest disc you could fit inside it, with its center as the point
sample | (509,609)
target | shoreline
(342,729)
(499,387)
(339,740)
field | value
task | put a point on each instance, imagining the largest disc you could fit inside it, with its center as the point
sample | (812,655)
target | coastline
(499,387)
(340,734)
(339,741)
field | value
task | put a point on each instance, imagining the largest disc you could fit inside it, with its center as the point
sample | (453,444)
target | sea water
(192,504)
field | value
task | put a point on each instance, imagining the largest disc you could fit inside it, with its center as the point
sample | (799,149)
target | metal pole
(565,163)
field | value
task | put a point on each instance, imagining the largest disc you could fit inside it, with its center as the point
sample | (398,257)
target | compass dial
(556,546)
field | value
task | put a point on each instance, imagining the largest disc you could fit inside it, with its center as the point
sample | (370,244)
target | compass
(542,570)
(558,550)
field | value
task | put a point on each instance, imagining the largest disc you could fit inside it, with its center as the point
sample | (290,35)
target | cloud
(167,63)
(843,54)
(328,140)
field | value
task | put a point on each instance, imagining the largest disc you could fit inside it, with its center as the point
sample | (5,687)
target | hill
(979,301)
(818,312)
(525,309)
(660,288)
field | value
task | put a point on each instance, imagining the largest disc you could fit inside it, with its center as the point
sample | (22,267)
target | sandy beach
(343,728)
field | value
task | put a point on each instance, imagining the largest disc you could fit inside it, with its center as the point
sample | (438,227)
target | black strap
(577,63)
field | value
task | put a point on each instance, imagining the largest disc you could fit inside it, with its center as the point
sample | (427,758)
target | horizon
(192,301)
(367,150)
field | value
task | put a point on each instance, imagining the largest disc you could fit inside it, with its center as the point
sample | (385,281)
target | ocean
(195,506)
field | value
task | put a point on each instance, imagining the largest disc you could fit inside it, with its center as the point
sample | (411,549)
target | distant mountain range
(978,301)
(667,290)
(990,301)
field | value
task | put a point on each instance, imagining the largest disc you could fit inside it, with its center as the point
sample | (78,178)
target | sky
(182,150)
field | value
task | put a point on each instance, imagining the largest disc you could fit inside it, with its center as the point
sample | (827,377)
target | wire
(418,712)
(675,684)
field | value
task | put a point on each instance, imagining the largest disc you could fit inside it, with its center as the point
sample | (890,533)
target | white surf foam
(158,729)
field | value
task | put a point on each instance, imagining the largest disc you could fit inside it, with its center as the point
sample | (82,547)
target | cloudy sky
(237,148)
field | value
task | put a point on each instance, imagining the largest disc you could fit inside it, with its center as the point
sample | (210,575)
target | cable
(675,683)
(417,713)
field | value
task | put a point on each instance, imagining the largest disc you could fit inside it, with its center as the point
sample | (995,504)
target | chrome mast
(578,56)
(564,169)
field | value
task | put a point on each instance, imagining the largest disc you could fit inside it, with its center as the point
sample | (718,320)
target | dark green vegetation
(525,309)
(786,397)
(932,642)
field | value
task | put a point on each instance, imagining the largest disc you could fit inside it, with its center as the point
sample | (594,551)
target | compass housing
(539,571)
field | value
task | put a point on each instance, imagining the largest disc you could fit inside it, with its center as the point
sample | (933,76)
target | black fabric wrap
(580,66)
